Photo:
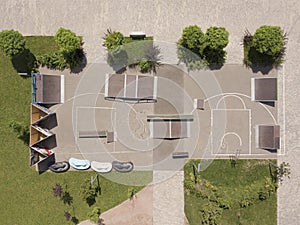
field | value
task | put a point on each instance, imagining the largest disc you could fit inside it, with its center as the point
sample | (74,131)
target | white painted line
(106,84)
(94,107)
(155,88)
(170,129)
(252,89)
(136,85)
(249,127)
(62,89)
(151,128)
(188,124)
(231,95)
(125,84)
(250,133)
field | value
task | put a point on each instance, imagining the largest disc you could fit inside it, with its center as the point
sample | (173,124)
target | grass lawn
(26,197)
(232,184)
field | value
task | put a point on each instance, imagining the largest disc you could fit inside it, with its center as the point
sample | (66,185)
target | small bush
(113,39)
(144,66)
(11,42)
(67,40)
(94,215)
(262,195)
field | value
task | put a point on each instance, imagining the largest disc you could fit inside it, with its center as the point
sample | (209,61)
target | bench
(178,155)
(92,134)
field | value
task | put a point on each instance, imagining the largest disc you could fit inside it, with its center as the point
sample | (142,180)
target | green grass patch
(225,187)
(26,197)
(40,45)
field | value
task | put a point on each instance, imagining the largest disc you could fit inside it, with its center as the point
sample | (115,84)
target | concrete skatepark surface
(164,20)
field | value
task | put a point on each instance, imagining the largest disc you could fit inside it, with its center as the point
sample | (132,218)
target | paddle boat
(122,166)
(79,164)
(60,167)
(101,167)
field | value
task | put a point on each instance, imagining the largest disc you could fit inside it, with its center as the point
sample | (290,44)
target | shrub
(94,215)
(262,195)
(11,42)
(216,38)
(88,193)
(57,191)
(207,48)
(144,66)
(53,60)
(211,214)
(268,40)
(113,39)
(67,40)
(192,38)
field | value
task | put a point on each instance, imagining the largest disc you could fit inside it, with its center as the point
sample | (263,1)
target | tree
(11,42)
(113,39)
(192,38)
(67,40)
(268,40)
(88,193)
(216,38)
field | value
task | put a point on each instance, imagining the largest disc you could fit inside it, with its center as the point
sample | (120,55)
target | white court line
(94,153)
(247,96)
(246,154)
(94,107)
(249,127)
(250,133)
(231,95)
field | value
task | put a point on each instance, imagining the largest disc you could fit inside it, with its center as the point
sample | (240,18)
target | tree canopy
(207,48)
(113,39)
(192,38)
(11,42)
(67,40)
(216,38)
(268,40)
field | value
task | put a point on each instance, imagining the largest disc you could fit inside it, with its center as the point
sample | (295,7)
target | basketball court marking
(231,95)
(230,132)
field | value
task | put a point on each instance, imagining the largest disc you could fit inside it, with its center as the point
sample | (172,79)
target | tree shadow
(21,130)
(79,68)
(67,198)
(214,58)
(90,200)
(25,62)
(75,220)
(260,62)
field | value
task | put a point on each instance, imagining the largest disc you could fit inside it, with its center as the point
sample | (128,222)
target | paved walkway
(134,212)
(165,20)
